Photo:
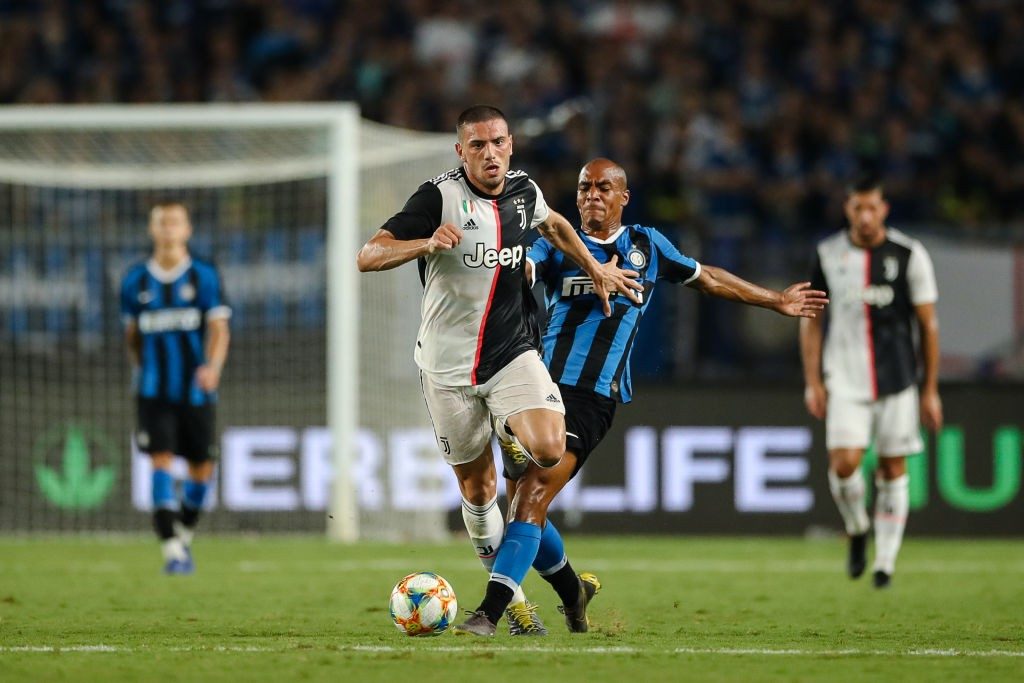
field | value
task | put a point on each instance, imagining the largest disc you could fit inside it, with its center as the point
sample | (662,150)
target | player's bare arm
(607,278)
(931,404)
(384,251)
(208,374)
(815,395)
(797,300)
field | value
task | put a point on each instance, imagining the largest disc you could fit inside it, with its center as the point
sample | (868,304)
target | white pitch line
(681,566)
(68,648)
(486,647)
(651,566)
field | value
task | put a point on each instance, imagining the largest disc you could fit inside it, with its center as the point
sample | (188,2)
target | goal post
(320,379)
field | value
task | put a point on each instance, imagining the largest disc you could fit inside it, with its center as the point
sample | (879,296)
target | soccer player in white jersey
(864,384)
(478,342)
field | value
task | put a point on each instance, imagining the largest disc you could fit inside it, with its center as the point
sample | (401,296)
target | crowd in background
(744,114)
(738,121)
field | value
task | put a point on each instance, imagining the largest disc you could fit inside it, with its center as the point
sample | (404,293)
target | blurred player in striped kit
(176,331)
(864,384)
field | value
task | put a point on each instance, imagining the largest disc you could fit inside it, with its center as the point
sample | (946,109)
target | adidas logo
(470,225)
(552,399)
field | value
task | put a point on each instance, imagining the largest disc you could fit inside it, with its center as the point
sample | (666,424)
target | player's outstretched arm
(797,300)
(384,251)
(607,278)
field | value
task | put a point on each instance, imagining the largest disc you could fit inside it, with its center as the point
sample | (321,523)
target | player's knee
(548,451)
(162,461)
(892,468)
(844,462)
(200,471)
(478,485)
(844,468)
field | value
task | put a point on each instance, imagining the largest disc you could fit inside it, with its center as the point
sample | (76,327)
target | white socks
(173,549)
(184,533)
(890,519)
(486,528)
(849,497)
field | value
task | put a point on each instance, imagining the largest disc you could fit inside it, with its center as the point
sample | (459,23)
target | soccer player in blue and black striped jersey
(587,354)
(176,331)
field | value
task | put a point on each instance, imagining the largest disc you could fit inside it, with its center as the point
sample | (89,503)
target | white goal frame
(340,165)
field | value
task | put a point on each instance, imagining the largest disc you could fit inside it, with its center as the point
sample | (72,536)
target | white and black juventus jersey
(869,346)
(477,313)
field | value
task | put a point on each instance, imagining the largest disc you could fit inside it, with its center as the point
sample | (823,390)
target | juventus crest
(891,266)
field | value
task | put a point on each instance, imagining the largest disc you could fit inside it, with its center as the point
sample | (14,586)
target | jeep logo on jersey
(878,296)
(170,320)
(489,258)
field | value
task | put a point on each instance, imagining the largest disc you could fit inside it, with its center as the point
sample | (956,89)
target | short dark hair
(168,202)
(868,181)
(479,113)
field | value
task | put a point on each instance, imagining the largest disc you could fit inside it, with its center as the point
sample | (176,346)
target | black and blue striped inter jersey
(583,348)
(171,309)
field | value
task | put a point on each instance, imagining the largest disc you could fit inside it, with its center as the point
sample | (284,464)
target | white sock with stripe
(891,511)
(486,528)
(848,494)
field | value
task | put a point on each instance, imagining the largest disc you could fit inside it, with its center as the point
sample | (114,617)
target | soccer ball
(423,604)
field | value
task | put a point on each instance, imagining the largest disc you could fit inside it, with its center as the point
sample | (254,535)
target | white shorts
(892,422)
(462,415)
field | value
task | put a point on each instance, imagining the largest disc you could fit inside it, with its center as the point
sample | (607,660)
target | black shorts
(588,417)
(177,428)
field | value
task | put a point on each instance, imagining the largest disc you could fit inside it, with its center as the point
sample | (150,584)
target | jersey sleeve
(818,280)
(420,216)
(130,307)
(212,301)
(674,266)
(921,277)
(540,256)
(540,208)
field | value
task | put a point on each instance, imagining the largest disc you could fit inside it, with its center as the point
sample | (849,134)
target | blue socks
(517,552)
(194,493)
(163,490)
(551,553)
(524,545)
(165,504)
(166,508)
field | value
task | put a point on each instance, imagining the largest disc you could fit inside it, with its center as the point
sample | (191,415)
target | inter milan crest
(636,258)
(187,292)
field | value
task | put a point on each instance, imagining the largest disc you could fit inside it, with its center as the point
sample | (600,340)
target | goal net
(280,199)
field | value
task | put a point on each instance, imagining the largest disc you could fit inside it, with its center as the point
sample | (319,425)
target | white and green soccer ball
(423,604)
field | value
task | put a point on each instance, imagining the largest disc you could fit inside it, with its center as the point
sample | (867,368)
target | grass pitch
(278,609)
